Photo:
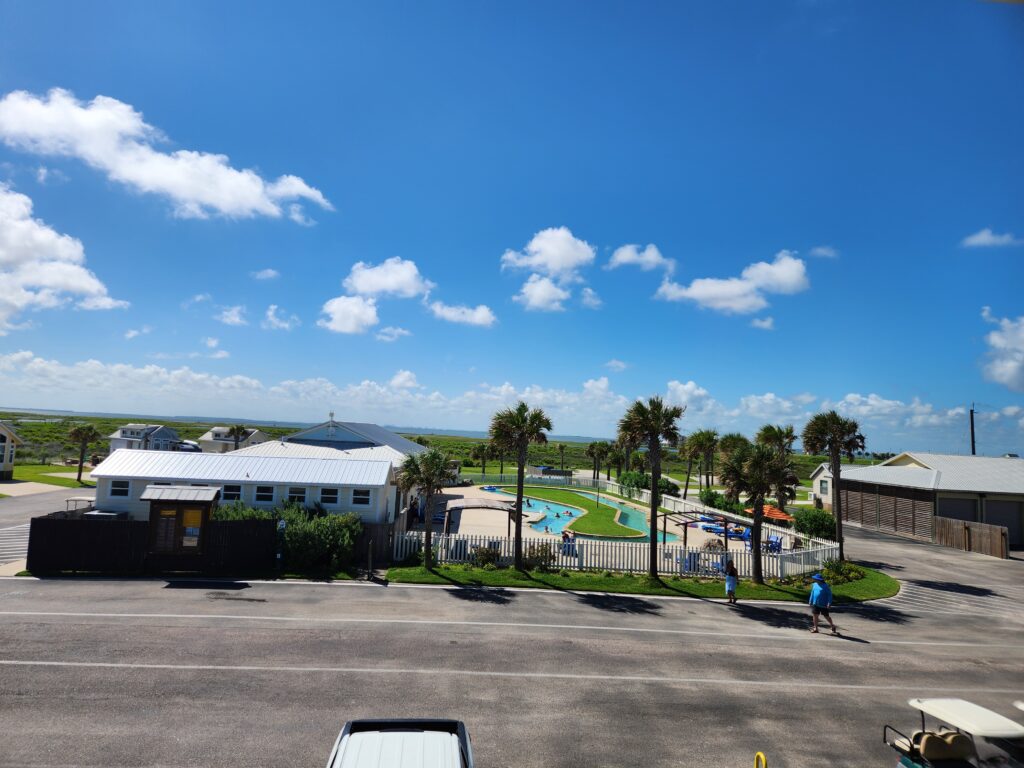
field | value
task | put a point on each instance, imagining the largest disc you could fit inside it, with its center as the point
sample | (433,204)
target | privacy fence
(972,537)
(593,554)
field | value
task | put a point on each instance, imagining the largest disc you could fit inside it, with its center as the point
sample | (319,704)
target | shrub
(842,572)
(538,557)
(319,544)
(236,510)
(815,522)
(710,498)
(489,567)
(486,556)
(633,481)
(818,504)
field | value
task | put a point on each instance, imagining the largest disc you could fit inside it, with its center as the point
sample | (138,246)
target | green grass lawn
(39,473)
(873,586)
(599,520)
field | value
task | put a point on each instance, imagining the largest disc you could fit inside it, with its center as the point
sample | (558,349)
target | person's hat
(818,577)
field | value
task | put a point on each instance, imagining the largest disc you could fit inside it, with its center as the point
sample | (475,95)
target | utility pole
(972,430)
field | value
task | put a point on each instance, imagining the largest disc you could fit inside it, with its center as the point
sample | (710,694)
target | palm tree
(704,444)
(561,454)
(591,453)
(835,436)
(422,440)
(731,442)
(238,432)
(778,437)
(685,451)
(513,430)
(613,459)
(601,450)
(756,471)
(652,422)
(481,452)
(429,471)
(497,452)
(82,435)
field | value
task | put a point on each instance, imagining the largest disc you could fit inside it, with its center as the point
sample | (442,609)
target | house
(217,440)
(147,437)
(905,493)
(9,440)
(821,482)
(340,485)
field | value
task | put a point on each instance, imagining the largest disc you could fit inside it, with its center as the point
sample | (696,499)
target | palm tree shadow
(954,587)
(619,603)
(492,595)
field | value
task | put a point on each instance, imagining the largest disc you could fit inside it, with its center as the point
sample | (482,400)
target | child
(731,577)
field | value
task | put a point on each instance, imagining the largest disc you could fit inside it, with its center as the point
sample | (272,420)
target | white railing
(623,556)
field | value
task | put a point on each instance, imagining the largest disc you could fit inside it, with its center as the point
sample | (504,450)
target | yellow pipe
(760,761)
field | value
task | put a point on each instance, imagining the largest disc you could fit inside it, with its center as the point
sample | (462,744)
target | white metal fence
(594,554)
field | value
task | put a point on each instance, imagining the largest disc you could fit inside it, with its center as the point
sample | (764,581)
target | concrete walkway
(24,488)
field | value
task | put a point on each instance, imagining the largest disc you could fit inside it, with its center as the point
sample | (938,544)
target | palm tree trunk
(755,543)
(654,451)
(689,466)
(608,471)
(483,467)
(501,468)
(81,461)
(837,502)
(520,481)
(428,524)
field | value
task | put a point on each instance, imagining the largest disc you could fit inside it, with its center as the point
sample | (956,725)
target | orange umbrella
(773,513)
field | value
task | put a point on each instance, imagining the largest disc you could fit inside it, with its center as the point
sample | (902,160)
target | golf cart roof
(1019,704)
(966,716)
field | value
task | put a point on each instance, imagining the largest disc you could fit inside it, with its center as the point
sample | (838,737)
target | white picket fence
(625,556)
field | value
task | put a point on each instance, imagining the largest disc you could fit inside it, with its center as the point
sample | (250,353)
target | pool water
(628,516)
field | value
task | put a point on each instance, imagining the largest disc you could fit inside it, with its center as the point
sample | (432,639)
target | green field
(599,520)
(40,473)
(873,586)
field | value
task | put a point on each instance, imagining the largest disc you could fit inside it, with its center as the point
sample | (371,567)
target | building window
(328,495)
(360,496)
(118,487)
(161,483)
(824,487)
(265,493)
(297,495)
(232,493)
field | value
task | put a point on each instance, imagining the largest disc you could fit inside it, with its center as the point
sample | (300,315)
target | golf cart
(966,736)
(402,743)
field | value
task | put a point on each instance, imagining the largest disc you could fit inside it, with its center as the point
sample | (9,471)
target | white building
(146,437)
(8,441)
(349,436)
(217,440)
(340,485)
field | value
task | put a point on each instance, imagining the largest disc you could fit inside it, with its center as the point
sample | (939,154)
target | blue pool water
(629,517)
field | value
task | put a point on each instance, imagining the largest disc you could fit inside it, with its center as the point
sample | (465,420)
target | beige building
(217,440)
(9,440)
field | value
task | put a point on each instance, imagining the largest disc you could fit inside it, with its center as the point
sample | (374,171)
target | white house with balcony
(341,485)
(9,440)
(145,437)
(219,440)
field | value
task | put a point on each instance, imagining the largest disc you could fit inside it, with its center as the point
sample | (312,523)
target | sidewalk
(12,569)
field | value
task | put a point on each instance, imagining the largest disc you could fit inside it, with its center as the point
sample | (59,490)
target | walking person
(731,578)
(820,602)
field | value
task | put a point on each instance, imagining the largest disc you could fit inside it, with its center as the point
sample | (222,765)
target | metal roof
(398,749)
(946,472)
(178,493)
(968,716)
(307,451)
(372,432)
(235,468)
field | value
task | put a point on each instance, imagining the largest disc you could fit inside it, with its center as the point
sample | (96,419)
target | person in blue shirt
(820,602)
(731,577)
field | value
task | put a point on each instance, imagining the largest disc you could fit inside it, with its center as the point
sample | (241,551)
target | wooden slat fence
(972,537)
(632,557)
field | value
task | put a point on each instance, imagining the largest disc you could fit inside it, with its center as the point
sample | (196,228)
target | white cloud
(926,415)
(764,323)
(873,408)
(769,407)
(869,406)
(986,238)
(232,315)
(590,298)
(404,380)
(745,294)
(1011,411)
(1005,351)
(220,354)
(46,175)
(480,315)
(647,259)
(112,137)
(825,252)
(265,274)
(275,321)
(133,332)
(39,267)
(394,276)
(540,294)
(349,314)
(199,298)
(554,252)
(210,342)
(616,365)
(391,333)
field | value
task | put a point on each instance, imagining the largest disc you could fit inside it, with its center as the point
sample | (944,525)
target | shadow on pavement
(493,595)
(954,587)
(781,618)
(619,604)
(211,584)
(878,565)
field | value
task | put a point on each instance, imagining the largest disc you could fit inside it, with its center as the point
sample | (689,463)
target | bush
(319,545)
(486,556)
(236,510)
(842,572)
(633,481)
(815,522)
(538,557)
(710,498)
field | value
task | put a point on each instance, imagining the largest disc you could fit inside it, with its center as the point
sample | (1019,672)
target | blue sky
(822,198)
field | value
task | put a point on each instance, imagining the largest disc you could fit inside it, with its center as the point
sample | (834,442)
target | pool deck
(489,522)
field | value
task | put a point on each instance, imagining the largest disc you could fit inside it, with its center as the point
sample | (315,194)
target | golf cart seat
(948,750)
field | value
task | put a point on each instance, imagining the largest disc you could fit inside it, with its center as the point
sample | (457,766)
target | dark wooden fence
(235,547)
(377,538)
(972,537)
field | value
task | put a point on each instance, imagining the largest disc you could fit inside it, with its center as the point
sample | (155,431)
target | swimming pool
(628,516)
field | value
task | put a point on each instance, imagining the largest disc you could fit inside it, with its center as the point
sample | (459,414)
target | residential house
(146,437)
(340,485)
(9,440)
(217,440)
(821,483)
(905,493)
